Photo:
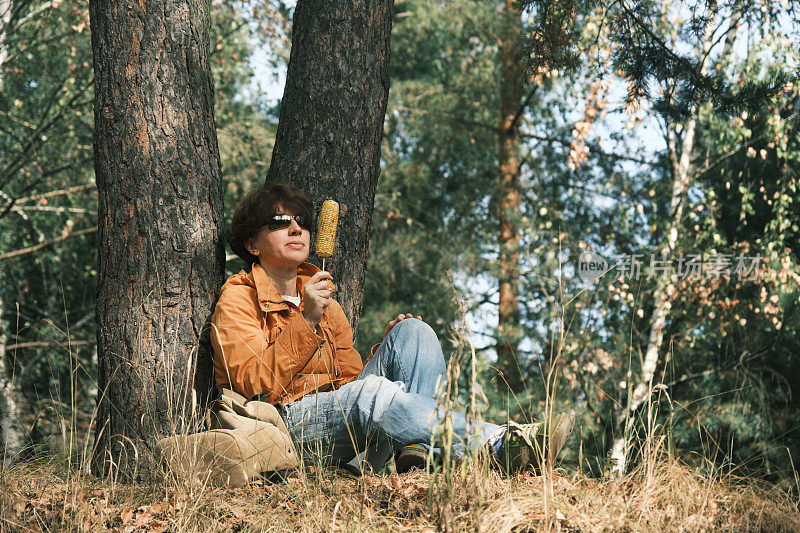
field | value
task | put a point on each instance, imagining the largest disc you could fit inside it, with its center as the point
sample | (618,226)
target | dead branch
(44,244)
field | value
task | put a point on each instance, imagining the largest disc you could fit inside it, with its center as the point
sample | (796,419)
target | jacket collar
(268,294)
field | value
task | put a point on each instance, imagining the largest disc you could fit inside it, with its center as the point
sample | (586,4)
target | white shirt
(294,299)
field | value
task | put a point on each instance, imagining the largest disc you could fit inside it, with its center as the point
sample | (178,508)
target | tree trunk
(13,430)
(682,178)
(328,141)
(5,25)
(509,200)
(160,245)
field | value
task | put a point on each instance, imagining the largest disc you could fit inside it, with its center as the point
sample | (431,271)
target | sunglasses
(284,221)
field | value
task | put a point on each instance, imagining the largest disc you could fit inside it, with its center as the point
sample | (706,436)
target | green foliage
(721,361)
(748,341)
(46,146)
(428,218)
(643,55)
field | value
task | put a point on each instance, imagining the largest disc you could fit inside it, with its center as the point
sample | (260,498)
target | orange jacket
(263,345)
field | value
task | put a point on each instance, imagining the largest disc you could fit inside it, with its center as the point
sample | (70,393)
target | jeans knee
(416,344)
(415,327)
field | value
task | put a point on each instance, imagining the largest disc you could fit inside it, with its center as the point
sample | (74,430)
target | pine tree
(329,134)
(160,214)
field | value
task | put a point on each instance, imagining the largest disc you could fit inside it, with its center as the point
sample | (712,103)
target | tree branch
(58,192)
(45,244)
(52,209)
(521,109)
(40,344)
(563,142)
(44,125)
(21,22)
(451,116)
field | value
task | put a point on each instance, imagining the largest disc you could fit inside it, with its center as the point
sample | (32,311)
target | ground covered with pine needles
(668,497)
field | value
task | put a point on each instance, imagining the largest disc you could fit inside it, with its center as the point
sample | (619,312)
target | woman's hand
(396,320)
(316,297)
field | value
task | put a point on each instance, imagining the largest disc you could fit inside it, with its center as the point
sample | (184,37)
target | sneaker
(533,445)
(410,457)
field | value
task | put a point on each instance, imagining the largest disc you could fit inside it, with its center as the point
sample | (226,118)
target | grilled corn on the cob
(326,231)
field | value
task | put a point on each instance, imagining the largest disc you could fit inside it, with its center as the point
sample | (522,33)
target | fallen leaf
(158,526)
(126,515)
(145,515)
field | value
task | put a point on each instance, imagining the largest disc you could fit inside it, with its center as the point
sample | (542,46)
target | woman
(278,334)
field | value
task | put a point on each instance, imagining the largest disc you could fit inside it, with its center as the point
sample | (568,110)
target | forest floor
(667,497)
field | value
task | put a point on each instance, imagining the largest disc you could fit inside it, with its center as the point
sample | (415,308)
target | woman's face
(281,249)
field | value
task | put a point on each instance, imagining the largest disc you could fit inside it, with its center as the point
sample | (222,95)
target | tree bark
(328,142)
(160,245)
(509,199)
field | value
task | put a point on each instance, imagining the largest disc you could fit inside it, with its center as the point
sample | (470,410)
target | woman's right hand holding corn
(316,297)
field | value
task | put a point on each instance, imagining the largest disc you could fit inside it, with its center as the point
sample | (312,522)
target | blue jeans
(392,403)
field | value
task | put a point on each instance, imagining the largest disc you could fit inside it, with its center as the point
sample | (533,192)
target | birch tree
(682,143)
(13,431)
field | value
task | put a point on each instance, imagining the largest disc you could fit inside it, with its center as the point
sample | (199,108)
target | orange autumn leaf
(126,515)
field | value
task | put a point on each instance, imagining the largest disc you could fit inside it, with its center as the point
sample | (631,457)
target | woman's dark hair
(253,211)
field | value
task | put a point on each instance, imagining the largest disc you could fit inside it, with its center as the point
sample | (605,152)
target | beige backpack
(244,440)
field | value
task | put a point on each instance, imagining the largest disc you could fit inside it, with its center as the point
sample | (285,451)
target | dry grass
(54,494)
(38,497)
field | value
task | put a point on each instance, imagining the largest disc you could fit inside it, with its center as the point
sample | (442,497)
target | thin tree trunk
(11,425)
(160,245)
(6,10)
(5,25)
(683,176)
(328,141)
(509,200)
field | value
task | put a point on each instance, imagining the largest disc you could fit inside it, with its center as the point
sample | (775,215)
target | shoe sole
(411,457)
